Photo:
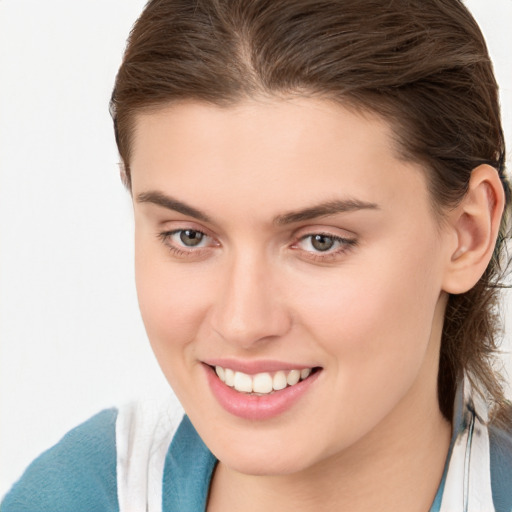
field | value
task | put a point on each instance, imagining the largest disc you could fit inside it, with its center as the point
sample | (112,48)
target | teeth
(304,374)
(229,376)
(221,373)
(243,382)
(293,377)
(279,381)
(261,383)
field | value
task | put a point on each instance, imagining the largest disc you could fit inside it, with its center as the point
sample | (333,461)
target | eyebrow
(172,204)
(321,210)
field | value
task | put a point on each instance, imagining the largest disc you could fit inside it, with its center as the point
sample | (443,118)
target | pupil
(322,242)
(190,237)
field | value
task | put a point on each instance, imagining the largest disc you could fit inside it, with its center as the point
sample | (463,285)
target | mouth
(263,395)
(264,383)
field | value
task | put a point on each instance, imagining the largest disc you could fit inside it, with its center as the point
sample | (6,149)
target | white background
(71,340)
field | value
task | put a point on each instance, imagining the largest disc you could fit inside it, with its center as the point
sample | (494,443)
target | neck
(398,467)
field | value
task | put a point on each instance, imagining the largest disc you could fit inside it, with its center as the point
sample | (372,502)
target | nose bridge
(249,309)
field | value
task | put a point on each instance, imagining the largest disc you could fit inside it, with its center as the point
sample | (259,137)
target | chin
(265,461)
(259,466)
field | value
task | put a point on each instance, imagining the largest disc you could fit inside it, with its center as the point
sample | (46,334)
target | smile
(261,383)
(259,395)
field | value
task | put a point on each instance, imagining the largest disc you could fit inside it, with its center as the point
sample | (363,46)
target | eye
(323,245)
(322,242)
(186,242)
(190,237)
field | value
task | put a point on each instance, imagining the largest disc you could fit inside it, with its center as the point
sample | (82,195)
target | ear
(475,222)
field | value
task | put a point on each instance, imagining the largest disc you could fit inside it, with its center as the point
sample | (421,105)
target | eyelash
(345,244)
(166,237)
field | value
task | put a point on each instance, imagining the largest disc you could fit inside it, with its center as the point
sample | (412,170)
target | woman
(320,208)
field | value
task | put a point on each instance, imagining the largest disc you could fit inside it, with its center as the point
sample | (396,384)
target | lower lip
(254,407)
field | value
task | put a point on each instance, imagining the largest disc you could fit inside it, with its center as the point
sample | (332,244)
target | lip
(254,407)
(254,367)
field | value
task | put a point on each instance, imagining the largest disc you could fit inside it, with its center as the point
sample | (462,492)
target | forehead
(267,123)
(280,152)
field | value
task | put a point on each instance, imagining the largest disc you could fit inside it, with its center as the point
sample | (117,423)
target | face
(283,247)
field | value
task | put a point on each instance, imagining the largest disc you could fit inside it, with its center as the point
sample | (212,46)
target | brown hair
(421,65)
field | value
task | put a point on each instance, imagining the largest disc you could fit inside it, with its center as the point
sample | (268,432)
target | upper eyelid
(187,225)
(165,236)
(340,239)
(333,231)
(344,245)
(170,232)
(297,235)
(326,234)
(304,230)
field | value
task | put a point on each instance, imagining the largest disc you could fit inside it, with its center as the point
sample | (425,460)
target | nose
(249,308)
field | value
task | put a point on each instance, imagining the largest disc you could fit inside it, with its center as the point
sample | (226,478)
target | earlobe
(475,221)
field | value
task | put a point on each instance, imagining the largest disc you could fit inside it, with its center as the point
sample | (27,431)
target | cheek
(172,299)
(374,328)
(172,305)
(376,317)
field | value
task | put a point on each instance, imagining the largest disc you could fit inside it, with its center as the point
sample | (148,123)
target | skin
(368,434)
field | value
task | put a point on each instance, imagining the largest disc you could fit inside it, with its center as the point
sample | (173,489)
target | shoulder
(500,441)
(78,473)
(189,467)
(120,459)
(144,431)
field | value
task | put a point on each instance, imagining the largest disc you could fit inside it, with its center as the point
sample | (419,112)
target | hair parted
(421,65)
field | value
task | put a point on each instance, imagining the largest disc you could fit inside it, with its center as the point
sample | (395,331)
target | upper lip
(256,366)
